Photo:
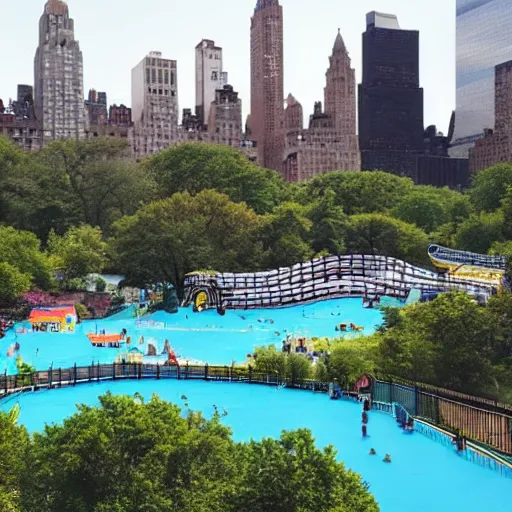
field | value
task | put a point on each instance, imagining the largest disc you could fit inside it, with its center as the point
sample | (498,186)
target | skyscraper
(390,98)
(484,40)
(210,77)
(267,96)
(58,75)
(330,142)
(154,104)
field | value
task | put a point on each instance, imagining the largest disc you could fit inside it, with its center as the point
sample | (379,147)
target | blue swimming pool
(206,336)
(423,476)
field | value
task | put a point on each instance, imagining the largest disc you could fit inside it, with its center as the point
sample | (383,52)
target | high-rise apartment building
(225,122)
(210,77)
(58,75)
(483,41)
(390,98)
(330,142)
(154,104)
(267,96)
(496,146)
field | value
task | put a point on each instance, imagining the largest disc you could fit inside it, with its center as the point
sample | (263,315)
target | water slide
(367,276)
(467,264)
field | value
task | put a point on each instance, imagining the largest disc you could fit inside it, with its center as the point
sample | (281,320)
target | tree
(104,183)
(14,443)
(12,159)
(270,360)
(479,232)
(328,228)
(429,207)
(167,239)
(21,249)
(81,251)
(357,192)
(447,342)
(129,454)
(12,282)
(198,166)
(490,187)
(285,234)
(375,233)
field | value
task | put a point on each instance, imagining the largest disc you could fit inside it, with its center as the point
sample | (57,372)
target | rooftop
(56,7)
(263,4)
(339,44)
(382,20)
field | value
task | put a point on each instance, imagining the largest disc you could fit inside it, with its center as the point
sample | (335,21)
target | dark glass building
(484,40)
(390,98)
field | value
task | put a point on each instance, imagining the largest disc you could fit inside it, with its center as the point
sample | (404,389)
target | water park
(387,431)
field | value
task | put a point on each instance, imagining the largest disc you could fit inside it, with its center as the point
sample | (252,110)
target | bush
(82,311)
(101,285)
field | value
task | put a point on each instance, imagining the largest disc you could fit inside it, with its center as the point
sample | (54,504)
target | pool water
(423,476)
(206,337)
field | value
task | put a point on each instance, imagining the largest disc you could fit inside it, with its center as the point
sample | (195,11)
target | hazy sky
(115,35)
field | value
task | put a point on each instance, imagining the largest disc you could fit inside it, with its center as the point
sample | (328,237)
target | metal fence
(482,420)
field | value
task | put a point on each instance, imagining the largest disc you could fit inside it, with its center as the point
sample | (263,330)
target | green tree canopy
(13,282)
(21,249)
(375,233)
(81,251)
(490,187)
(478,232)
(194,167)
(129,455)
(285,234)
(357,192)
(430,207)
(167,239)
(447,342)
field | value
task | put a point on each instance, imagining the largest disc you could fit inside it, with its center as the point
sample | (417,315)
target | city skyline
(108,58)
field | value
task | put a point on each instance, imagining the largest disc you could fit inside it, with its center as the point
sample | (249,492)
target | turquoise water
(423,476)
(206,336)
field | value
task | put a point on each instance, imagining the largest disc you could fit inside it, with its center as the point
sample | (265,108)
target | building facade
(210,77)
(483,40)
(154,104)
(225,122)
(96,106)
(267,96)
(390,98)
(330,142)
(58,75)
(496,146)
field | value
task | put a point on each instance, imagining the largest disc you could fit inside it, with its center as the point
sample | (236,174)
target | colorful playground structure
(54,319)
(367,276)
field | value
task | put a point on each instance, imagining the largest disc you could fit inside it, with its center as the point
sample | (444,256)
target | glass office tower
(484,39)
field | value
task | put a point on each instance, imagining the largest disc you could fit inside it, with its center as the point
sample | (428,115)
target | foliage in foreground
(129,455)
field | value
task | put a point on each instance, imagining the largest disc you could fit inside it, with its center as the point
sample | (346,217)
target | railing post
(250,374)
(50,371)
(139,371)
(157,371)
(391,394)
(186,371)
(91,371)
(416,396)
(6,385)
(98,377)
(206,371)
(178,372)
(230,376)
(74,375)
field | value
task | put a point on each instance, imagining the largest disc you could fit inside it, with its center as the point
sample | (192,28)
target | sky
(115,35)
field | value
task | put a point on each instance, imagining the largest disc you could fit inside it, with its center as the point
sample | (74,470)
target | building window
(172,77)
(153,76)
(160,76)
(215,75)
(148,76)
(166,77)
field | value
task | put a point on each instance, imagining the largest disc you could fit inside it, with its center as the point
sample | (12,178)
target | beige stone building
(225,122)
(496,146)
(58,74)
(330,143)
(154,104)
